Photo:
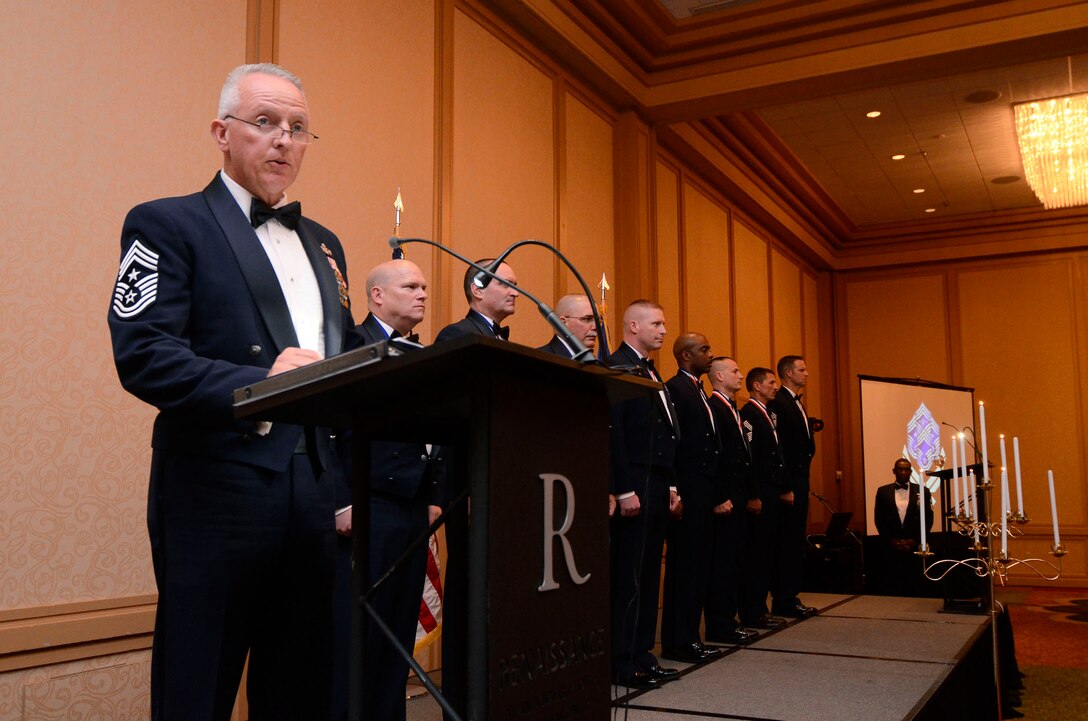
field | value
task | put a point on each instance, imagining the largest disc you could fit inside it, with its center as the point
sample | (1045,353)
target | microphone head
(481,279)
(394,241)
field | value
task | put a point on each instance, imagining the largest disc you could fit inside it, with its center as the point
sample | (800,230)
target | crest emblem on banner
(137,281)
(923,437)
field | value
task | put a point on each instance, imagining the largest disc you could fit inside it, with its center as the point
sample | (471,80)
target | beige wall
(1010,328)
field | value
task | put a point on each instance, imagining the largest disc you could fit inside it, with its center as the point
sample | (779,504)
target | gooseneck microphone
(494,265)
(581,353)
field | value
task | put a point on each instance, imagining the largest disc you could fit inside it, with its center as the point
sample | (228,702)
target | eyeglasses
(266,127)
(583,318)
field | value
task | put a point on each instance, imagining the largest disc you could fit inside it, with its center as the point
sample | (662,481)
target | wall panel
(503,178)
(588,236)
(706,269)
(787,310)
(372,104)
(751,275)
(667,266)
(1019,337)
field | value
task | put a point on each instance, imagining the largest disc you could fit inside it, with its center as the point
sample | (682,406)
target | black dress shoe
(692,653)
(737,635)
(635,679)
(710,652)
(662,674)
(768,622)
(797,610)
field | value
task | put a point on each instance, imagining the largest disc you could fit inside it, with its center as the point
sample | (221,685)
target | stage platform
(862,658)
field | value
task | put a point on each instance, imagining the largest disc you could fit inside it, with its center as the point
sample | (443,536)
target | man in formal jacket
(644,433)
(687,559)
(896,515)
(771,492)
(216,291)
(404,500)
(798,447)
(731,490)
(490,302)
(576,313)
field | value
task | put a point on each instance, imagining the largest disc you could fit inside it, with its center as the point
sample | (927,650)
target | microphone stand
(581,281)
(581,353)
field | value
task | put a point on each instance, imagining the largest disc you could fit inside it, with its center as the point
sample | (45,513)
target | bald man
(575,312)
(404,498)
(644,434)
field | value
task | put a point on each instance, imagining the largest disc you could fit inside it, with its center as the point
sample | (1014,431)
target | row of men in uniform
(222,288)
(726,486)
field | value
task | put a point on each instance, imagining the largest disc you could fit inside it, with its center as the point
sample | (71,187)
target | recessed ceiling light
(931,210)
(919,190)
(898,156)
(1005,179)
(873,114)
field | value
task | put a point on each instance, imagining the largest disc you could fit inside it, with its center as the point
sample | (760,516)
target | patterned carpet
(1051,630)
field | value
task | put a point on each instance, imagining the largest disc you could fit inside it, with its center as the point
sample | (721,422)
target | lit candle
(955,479)
(1004,512)
(966,486)
(1004,463)
(1053,507)
(982,432)
(1016,467)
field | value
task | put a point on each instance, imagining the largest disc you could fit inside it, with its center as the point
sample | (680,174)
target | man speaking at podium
(218,290)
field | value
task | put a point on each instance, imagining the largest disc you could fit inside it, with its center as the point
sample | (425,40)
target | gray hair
(228,97)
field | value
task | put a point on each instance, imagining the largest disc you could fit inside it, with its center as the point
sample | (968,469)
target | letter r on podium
(548,582)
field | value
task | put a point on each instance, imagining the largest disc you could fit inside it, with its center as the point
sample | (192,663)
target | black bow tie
(411,337)
(289,215)
(798,398)
(501,331)
(903,486)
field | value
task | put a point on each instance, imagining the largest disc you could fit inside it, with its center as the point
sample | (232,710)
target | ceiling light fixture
(873,114)
(931,210)
(918,190)
(898,156)
(1053,137)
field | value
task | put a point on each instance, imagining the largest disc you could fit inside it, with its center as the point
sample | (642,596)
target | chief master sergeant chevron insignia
(137,281)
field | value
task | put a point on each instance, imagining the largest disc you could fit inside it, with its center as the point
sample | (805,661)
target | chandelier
(1053,137)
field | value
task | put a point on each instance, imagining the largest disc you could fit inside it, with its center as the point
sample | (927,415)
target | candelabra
(984,563)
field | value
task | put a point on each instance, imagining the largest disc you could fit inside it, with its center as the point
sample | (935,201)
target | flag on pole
(430,606)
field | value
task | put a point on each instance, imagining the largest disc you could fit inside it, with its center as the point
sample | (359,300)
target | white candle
(966,486)
(1016,467)
(955,479)
(972,482)
(982,432)
(1004,463)
(1053,507)
(1004,512)
(922,513)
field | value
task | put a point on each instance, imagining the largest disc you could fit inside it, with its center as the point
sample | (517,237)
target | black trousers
(790,556)
(687,565)
(244,560)
(635,559)
(723,593)
(757,564)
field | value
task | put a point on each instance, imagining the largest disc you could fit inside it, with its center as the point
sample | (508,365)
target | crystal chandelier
(1053,136)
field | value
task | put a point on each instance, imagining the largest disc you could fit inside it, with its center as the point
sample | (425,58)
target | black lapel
(330,292)
(254,263)
(372,330)
(483,324)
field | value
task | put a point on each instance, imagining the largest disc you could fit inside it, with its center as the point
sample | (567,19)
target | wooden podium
(526,620)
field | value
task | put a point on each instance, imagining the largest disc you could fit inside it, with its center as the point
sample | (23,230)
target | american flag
(430,606)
